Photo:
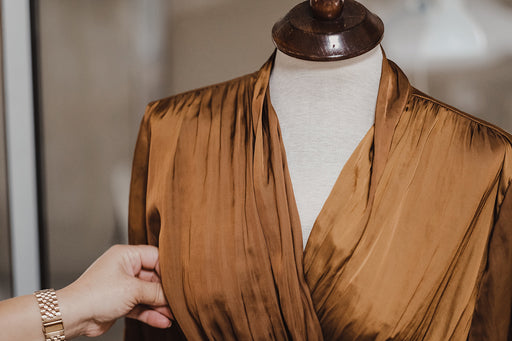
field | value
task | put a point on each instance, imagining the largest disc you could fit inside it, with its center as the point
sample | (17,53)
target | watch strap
(51,317)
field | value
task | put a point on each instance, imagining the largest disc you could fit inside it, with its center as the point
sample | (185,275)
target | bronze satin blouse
(413,243)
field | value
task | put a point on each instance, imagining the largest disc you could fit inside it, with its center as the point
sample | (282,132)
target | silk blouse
(414,241)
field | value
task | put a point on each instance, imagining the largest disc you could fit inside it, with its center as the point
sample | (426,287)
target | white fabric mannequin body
(324,110)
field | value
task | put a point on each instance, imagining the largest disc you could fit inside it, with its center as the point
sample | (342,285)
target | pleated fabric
(413,243)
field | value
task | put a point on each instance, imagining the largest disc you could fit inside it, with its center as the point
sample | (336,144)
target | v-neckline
(394,90)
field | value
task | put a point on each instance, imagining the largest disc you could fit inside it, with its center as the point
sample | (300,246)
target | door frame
(20,133)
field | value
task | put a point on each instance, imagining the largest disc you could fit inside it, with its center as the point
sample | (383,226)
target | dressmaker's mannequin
(325,105)
(324,110)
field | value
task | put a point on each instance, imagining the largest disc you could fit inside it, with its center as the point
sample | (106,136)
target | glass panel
(101,62)
(5,263)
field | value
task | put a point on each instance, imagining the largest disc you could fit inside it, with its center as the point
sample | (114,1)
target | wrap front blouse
(413,243)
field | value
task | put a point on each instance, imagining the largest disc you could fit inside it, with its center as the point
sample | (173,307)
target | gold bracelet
(53,328)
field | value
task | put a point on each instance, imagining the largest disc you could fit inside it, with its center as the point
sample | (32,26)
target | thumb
(150,293)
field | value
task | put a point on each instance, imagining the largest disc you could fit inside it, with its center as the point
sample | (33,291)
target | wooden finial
(320,30)
(326,9)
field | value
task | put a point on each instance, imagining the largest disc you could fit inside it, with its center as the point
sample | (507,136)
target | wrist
(74,310)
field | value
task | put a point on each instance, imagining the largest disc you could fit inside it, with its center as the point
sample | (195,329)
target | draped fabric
(413,243)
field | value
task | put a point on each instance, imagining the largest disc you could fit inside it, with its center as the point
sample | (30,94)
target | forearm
(20,318)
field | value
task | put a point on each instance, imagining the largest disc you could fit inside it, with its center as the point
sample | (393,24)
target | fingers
(146,258)
(150,316)
(150,293)
(148,276)
(165,311)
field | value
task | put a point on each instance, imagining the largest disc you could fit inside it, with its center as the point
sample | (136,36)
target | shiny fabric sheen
(413,243)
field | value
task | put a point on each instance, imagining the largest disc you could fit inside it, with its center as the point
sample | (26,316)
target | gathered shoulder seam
(498,130)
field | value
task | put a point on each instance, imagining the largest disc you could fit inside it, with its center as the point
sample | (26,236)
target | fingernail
(170,324)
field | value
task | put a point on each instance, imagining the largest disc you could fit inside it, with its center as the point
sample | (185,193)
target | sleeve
(138,186)
(135,330)
(492,319)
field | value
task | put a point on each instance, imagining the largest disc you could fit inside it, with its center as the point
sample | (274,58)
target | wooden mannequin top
(328,30)
(324,109)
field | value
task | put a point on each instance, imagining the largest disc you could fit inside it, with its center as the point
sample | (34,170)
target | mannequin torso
(324,111)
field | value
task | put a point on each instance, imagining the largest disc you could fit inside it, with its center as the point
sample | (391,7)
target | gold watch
(53,328)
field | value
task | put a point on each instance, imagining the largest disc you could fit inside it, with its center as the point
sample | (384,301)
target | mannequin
(324,87)
(324,111)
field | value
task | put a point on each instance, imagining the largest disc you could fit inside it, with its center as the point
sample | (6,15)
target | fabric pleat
(409,245)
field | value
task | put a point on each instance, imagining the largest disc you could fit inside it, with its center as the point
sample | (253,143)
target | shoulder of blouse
(415,93)
(501,140)
(175,102)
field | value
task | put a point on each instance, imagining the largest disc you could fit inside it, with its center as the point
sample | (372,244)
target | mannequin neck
(342,74)
(346,87)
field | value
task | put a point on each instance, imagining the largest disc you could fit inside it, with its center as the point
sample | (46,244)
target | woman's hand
(124,281)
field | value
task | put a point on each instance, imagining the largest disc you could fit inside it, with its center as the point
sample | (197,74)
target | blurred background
(96,64)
